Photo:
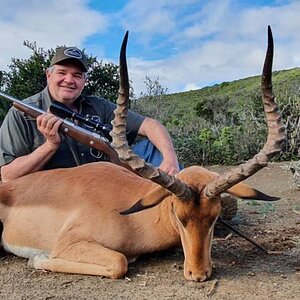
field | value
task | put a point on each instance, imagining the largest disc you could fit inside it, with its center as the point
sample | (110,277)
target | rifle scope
(62,111)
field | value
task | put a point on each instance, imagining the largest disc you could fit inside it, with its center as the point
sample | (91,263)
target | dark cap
(64,53)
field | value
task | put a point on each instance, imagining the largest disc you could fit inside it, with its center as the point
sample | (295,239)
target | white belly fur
(24,252)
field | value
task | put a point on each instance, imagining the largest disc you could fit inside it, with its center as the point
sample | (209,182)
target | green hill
(283,81)
(225,123)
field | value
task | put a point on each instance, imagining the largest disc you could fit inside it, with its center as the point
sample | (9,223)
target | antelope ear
(151,199)
(244,191)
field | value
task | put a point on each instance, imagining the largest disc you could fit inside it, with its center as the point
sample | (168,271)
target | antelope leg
(84,258)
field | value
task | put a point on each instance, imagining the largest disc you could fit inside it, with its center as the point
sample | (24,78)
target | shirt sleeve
(134,123)
(15,136)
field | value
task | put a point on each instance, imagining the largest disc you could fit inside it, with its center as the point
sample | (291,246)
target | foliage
(218,110)
(27,76)
(151,102)
(103,80)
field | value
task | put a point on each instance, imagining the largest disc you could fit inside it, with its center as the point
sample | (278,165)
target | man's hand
(170,167)
(159,136)
(48,125)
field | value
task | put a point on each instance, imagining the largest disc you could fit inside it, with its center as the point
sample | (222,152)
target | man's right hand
(48,125)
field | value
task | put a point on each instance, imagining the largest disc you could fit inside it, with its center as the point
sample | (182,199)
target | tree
(154,88)
(27,76)
(4,105)
(103,80)
(151,103)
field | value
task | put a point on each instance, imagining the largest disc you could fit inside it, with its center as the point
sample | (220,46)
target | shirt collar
(48,100)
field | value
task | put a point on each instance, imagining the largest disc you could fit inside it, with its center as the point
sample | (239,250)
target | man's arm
(48,125)
(27,164)
(159,136)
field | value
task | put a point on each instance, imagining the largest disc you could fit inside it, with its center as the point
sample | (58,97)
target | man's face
(65,82)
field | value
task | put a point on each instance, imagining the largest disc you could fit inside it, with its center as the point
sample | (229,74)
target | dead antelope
(68,220)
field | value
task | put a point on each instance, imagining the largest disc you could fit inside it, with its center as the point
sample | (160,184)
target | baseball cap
(64,53)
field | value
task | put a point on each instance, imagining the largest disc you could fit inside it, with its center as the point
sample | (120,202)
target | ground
(241,271)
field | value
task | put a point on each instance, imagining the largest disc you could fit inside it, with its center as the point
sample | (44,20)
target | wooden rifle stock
(78,133)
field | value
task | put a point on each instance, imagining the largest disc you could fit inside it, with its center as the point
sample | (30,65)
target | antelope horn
(275,140)
(119,142)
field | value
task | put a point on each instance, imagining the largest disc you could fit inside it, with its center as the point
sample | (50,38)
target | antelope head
(194,194)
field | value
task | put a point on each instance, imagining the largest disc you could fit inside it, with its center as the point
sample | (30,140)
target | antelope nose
(198,276)
(201,278)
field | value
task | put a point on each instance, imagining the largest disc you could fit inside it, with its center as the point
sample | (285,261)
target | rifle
(61,110)
(86,137)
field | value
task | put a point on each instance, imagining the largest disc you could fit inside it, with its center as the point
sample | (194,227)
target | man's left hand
(171,168)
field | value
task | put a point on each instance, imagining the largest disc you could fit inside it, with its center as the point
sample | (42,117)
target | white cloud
(226,44)
(49,23)
(191,86)
(153,18)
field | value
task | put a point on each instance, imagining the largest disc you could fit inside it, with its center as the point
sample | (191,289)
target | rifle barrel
(18,104)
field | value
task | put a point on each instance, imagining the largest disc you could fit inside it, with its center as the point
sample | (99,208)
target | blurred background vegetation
(222,124)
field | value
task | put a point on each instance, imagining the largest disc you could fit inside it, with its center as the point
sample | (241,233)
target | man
(28,145)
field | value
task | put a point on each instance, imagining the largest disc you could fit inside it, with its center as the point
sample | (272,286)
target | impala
(94,218)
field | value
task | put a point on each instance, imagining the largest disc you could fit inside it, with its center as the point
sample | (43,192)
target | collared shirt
(19,135)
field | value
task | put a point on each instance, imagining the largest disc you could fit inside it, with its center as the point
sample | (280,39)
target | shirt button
(82,154)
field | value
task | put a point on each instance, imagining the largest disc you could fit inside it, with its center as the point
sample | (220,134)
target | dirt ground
(241,271)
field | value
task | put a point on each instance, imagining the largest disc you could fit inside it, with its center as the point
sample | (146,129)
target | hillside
(224,123)
(283,81)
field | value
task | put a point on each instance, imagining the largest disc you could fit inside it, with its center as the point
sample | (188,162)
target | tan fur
(68,220)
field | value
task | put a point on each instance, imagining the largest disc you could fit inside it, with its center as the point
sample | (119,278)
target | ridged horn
(275,139)
(119,142)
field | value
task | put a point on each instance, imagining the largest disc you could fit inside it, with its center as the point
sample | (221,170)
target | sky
(186,44)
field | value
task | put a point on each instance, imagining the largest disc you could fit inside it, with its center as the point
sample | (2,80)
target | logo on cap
(73,52)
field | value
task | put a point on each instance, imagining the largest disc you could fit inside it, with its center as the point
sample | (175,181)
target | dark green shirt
(19,135)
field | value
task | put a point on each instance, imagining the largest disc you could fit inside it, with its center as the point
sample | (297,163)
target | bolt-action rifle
(86,137)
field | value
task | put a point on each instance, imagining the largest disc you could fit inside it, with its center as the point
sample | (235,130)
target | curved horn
(119,142)
(275,140)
